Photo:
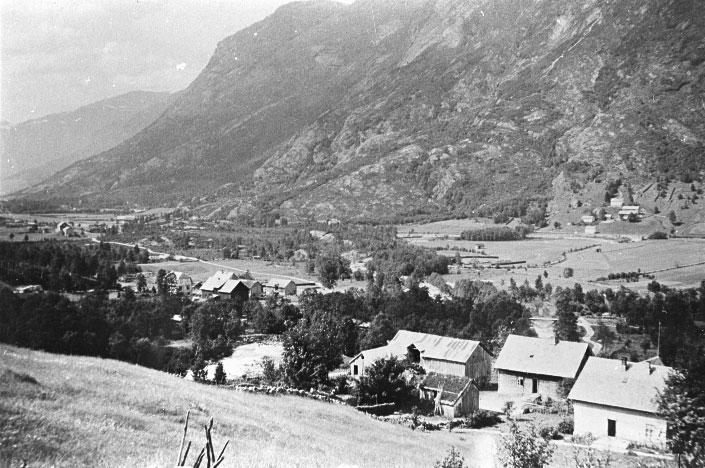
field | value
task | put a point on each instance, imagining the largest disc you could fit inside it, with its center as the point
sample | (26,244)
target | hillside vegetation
(32,151)
(76,411)
(436,108)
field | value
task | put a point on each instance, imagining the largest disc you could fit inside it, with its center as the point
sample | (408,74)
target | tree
(332,267)
(220,377)
(381,330)
(682,404)
(161,282)
(672,217)
(12,235)
(566,327)
(311,350)
(227,253)
(141,282)
(384,382)
(525,449)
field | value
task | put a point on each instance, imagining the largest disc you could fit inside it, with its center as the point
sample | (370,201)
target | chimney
(556,340)
(624,363)
(651,368)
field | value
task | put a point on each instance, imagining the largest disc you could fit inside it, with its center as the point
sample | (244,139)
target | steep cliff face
(440,106)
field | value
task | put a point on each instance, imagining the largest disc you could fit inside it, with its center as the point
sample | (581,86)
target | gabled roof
(279,282)
(231,285)
(250,283)
(607,382)
(217,280)
(541,357)
(436,346)
(383,352)
(453,386)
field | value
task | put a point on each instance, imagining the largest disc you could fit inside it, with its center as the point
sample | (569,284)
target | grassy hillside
(94,412)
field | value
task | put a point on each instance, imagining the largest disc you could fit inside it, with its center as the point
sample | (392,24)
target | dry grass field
(93,412)
(75,411)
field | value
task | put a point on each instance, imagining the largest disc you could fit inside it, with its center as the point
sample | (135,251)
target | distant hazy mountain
(383,108)
(36,149)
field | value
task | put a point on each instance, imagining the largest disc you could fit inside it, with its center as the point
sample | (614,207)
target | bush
(219,377)
(341,385)
(452,460)
(566,426)
(482,418)
(528,449)
(270,372)
(549,432)
(658,235)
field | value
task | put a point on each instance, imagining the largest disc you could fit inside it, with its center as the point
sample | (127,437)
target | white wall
(508,383)
(630,425)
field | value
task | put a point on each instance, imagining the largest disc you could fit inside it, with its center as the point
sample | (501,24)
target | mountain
(34,150)
(383,109)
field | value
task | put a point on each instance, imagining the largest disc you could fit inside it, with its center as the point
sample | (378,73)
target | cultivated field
(245,360)
(260,269)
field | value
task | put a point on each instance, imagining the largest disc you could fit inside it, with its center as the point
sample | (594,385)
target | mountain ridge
(34,149)
(444,107)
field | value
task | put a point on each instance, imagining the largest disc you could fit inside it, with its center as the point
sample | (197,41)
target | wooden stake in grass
(183,439)
(208,451)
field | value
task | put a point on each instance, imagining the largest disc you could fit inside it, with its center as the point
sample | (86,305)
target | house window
(521,381)
(649,431)
(611,428)
(355,369)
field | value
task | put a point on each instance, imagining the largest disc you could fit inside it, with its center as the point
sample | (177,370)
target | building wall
(510,383)
(635,426)
(360,363)
(479,366)
(443,367)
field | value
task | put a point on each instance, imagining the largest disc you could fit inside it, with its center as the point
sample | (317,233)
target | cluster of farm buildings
(611,398)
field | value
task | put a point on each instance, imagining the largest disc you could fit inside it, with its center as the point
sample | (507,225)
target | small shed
(454,396)
(282,286)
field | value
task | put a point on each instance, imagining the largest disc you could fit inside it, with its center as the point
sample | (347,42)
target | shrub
(658,235)
(566,426)
(270,372)
(525,449)
(452,460)
(549,432)
(341,385)
(482,418)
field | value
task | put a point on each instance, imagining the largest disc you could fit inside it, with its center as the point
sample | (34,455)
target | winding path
(589,333)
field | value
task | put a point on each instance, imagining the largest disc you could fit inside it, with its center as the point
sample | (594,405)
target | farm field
(588,265)
(260,270)
(450,227)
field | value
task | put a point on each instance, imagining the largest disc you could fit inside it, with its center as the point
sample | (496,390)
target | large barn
(527,366)
(440,354)
(616,398)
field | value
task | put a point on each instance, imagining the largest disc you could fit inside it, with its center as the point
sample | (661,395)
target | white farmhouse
(616,398)
(527,366)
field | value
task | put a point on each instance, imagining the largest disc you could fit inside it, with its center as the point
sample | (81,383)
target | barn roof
(280,282)
(453,386)
(436,346)
(541,357)
(382,352)
(231,285)
(217,280)
(609,382)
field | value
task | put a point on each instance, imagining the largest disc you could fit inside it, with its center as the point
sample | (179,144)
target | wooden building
(454,396)
(439,354)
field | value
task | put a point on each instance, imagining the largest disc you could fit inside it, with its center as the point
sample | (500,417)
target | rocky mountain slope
(33,150)
(436,107)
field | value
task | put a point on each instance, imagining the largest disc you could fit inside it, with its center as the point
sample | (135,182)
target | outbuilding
(454,396)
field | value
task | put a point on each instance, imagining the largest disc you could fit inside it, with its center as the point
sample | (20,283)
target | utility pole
(658,342)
